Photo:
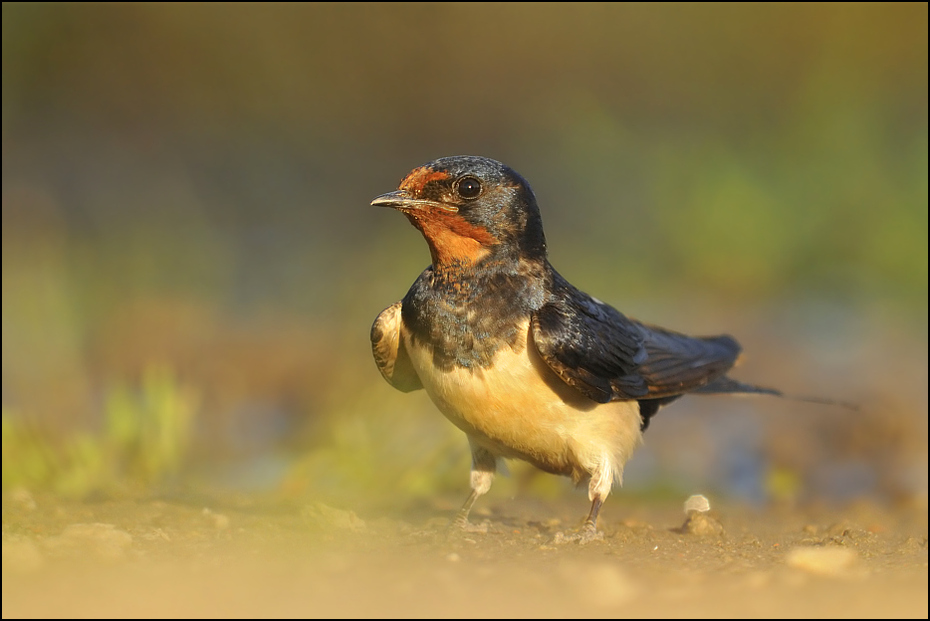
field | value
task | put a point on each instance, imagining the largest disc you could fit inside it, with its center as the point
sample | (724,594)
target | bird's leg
(483,467)
(598,489)
(590,524)
(588,532)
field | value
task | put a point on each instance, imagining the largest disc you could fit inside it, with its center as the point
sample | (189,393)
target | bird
(514,355)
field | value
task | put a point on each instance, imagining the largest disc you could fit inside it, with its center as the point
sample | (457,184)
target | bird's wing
(389,352)
(607,357)
(676,363)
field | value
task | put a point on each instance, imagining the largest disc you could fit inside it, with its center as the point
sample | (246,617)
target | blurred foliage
(144,441)
(187,186)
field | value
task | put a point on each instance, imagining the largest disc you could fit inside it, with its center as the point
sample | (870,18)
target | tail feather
(726,385)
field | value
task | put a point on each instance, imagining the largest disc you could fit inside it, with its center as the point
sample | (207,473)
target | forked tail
(728,386)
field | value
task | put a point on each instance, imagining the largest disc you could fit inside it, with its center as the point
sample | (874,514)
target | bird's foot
(461,523)
(586,534)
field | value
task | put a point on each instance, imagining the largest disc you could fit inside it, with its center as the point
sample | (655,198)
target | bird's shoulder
(589,344)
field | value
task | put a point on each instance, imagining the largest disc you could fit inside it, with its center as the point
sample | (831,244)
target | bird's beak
(395,199)
(401,199)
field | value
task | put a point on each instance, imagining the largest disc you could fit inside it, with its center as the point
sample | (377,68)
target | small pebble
(697,502)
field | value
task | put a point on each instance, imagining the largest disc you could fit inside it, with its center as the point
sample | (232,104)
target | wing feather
(608,357)
(389,352)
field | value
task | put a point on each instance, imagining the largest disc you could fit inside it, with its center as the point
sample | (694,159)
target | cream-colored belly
(519,408)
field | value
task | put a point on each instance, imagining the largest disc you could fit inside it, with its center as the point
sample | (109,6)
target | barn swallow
(528,366)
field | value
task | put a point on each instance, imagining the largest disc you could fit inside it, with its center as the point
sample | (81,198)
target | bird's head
(469,209)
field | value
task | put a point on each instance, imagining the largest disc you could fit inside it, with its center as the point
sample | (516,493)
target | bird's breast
(464,319)
(516,406)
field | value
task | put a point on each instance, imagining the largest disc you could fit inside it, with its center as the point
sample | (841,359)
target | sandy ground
(244,557)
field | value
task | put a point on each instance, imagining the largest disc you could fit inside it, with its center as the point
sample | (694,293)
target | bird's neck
(498,271)
(453,242)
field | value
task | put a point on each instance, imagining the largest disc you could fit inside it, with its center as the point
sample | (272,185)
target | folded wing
(389,352)
(607,356)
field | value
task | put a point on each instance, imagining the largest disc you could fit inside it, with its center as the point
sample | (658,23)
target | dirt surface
(246,557)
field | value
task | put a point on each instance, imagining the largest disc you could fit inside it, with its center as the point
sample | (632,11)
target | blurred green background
(191,267)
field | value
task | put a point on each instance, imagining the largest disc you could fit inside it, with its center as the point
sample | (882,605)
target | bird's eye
(468,187)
